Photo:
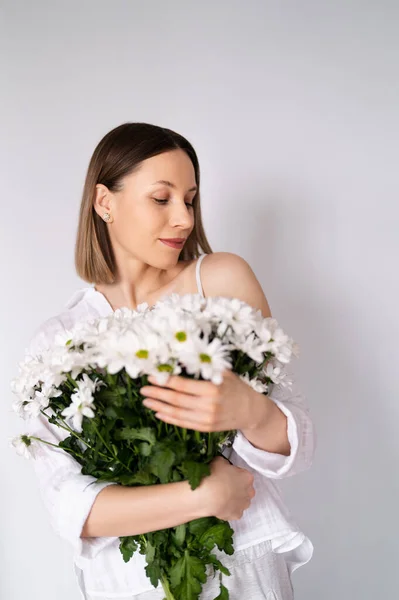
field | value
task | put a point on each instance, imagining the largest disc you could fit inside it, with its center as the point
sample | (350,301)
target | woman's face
(154,204)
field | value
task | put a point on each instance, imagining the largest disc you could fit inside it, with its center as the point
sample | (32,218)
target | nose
(181,216)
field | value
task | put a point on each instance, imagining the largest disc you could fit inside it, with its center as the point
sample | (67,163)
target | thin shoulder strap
(198,275)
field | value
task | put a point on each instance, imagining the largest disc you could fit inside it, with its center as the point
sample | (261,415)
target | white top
(68,496)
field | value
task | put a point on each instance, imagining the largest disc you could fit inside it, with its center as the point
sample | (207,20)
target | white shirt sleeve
(67,494)
(301,436)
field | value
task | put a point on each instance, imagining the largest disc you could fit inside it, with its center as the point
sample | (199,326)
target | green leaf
(195,472)
(174,552)
(110,412)
(128,547)
(111,396)
(159,538)
(199,526)
(154,572)
(141,478)
(180,534)
(218,565)
(176,476)
(190,571)
(161,462)
(176,573)
(146,434)
(145,449)
(150,553)
(224,593)
(220,535)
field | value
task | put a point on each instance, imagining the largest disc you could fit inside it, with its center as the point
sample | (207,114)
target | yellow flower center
(165,368)
(205,358)
(181,336)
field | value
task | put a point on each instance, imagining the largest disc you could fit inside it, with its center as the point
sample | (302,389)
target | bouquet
(88,384)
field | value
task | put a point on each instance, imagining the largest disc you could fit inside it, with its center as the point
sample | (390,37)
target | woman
(141,237)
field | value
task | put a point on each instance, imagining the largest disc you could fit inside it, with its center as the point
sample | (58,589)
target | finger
(188,423)
(175,398)
(193,419)
(206,419)
(189,386)
(164,407)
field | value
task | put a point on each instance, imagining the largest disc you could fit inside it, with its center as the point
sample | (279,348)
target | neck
(138,282)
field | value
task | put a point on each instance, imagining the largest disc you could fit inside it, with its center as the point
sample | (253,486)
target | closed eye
(163,201)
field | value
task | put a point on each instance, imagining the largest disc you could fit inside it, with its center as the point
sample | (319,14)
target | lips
(176,243)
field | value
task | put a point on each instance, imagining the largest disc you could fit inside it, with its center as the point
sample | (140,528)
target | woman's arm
(121,511)
(268,427)
(280,440)
(299,432)
(91,514)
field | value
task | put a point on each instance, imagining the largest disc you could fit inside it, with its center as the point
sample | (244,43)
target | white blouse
(69,495)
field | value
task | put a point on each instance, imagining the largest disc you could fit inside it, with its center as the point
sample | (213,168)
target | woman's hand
(227,491)
(202,405)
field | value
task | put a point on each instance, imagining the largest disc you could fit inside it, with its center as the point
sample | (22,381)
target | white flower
(252,346)
(39,402)
(18,406)
(178,330)
(207,359)
(82,402)
(137,350)
(24,446)
(277,342)
(162,372)
(277,375)
(62,338)
(231,312)
(255,384)
(189,303)
(64,359)
(169,338)
(272,372)
(127,315)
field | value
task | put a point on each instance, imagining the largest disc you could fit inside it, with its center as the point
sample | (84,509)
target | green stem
(263,363)
(71,380)
(110,380)
(109,449)
(166,588)
(177,431)
(210,445)
(129,389)
(32,437)
(73,432)
(238,361)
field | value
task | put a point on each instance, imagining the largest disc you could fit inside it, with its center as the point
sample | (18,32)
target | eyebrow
(172,185)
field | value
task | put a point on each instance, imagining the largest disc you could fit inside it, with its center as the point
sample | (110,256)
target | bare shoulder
(230,275)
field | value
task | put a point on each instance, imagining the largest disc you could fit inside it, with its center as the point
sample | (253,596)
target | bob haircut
(117,155)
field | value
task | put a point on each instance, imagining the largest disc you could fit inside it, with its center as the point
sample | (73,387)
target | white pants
(257,573)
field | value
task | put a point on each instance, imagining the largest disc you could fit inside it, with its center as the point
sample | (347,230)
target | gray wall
(293,108)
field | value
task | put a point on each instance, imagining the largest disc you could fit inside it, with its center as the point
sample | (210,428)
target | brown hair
(118,154)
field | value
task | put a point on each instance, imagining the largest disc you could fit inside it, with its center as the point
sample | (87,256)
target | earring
(106,217)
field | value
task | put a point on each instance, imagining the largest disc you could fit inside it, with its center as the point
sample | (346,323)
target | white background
(293,109)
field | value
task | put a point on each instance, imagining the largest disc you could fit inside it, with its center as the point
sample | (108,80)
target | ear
(103,200)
